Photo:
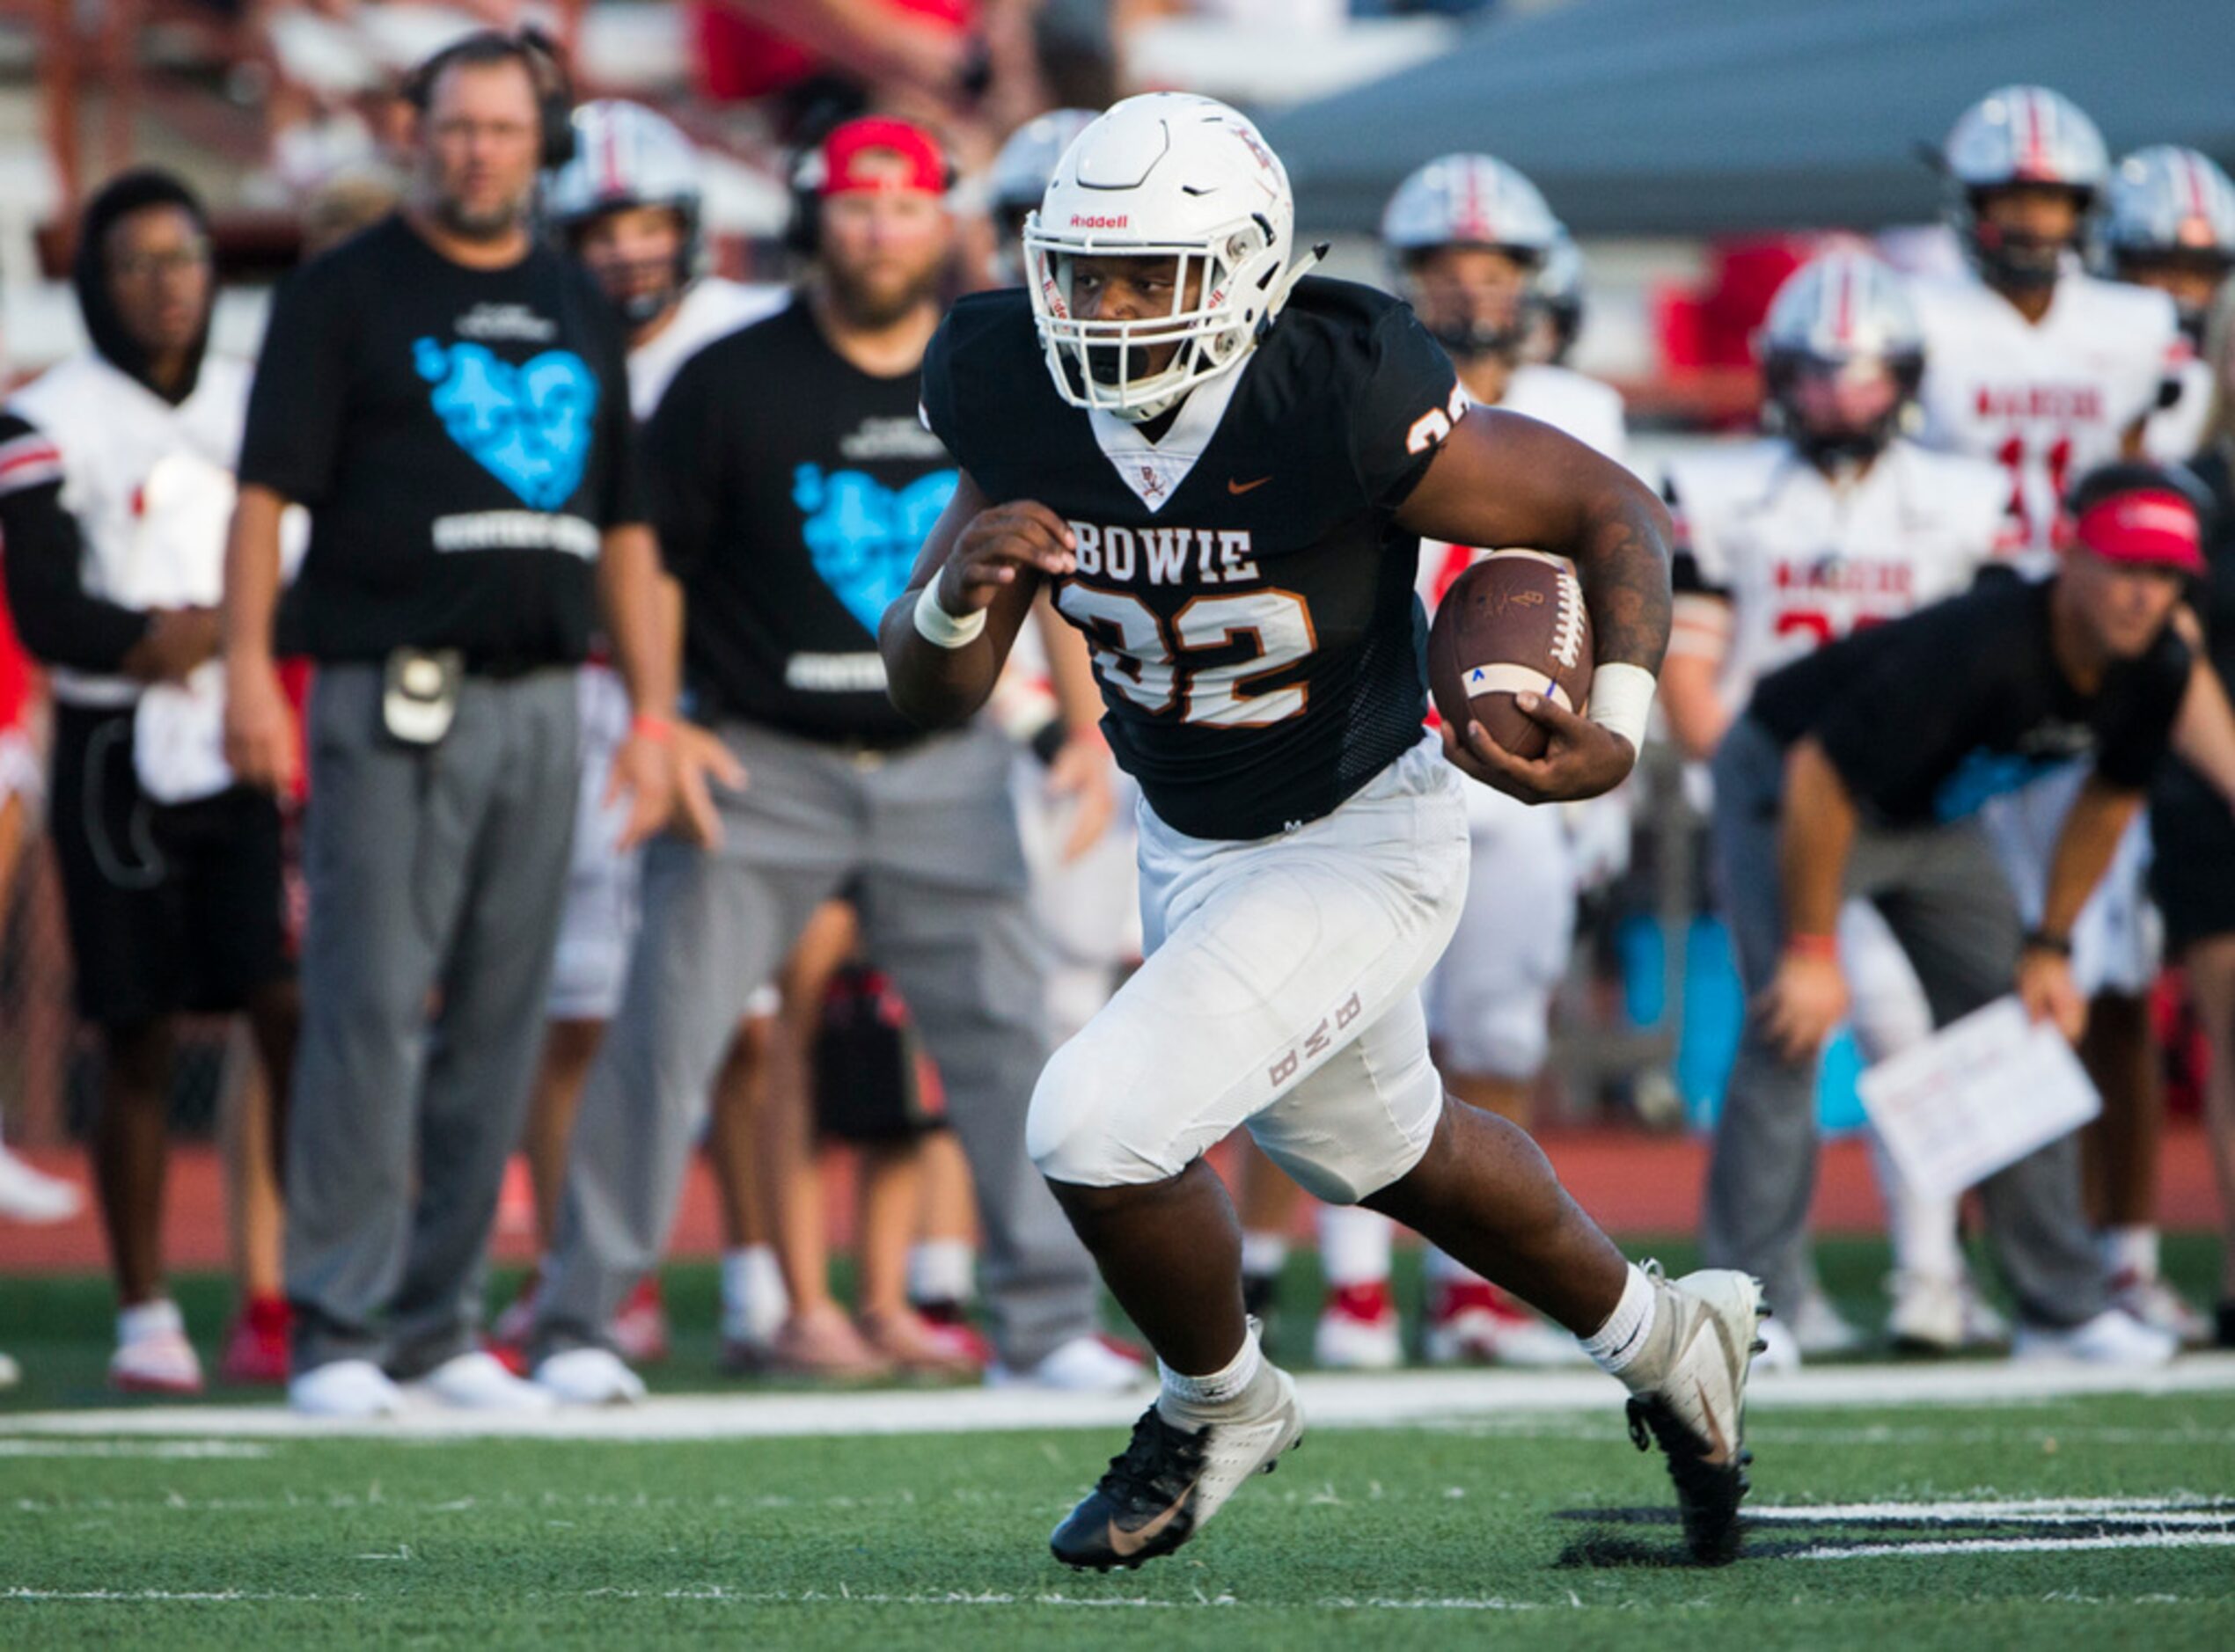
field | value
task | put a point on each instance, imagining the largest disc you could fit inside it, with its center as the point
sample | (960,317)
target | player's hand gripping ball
(1514,623)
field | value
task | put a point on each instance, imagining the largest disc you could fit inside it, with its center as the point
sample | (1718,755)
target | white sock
(942,1271)
(1263,1254)
(2129,1250)
(1628,1328)
(1353,1246)
(1443,1269)
(1922,1228)
(1183,1395)
(754,1302)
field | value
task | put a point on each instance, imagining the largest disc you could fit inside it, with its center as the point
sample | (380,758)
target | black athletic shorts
(170,907)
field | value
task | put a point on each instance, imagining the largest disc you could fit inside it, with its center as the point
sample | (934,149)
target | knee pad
(1085,1130)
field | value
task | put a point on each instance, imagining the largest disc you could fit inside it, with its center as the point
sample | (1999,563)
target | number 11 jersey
(1241,580)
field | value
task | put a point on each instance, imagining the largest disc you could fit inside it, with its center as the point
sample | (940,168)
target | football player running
(2169,223)
(1223,468)
(1831,523)
(1468,239)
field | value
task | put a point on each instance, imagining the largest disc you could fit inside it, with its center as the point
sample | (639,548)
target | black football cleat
(1696,1413)
(1168,1481)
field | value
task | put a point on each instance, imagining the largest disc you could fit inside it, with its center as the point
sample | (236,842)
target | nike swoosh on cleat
(1719,1450)
(1125,1544)
(1233,486)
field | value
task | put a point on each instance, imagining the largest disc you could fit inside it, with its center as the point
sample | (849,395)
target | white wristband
(1622,698)
(935,625)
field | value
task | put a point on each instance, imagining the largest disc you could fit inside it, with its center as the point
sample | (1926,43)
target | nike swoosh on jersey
(1233,486)
(1125,1544)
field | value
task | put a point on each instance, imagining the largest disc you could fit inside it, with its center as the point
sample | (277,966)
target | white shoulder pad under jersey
(2047,402)
(712,308)
(2175,433)
(1803,560)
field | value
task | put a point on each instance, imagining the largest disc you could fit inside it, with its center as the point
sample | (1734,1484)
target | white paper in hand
(1980,1093)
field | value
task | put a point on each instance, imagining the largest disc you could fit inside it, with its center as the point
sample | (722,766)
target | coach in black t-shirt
(793,485)
(1856,771)
(448,397)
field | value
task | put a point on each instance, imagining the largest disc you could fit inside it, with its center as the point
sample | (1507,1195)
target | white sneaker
(1781,1354)
(1689,1394)
(589,1377)
(1818,1326)
(11,1373)
(2111,1338)
(2148,1298)
(1983,1326)
(152,1354)
(27,1195)
(354,1388)
(1168,1481)
(1928,1313)
(476,1381)
(1084,1365)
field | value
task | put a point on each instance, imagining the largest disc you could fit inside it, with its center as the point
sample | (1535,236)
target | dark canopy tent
(1686,117)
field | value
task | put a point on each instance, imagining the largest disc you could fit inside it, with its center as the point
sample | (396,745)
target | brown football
(1514,621)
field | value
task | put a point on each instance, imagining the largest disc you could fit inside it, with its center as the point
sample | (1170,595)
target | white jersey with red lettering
(2049,401)
(1803,559)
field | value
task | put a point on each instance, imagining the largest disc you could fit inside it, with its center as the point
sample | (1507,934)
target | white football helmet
(1019,178)
(626,155)
(2012,137)
(1164,175)
(2166,203)
(1843,355)
(1468,201)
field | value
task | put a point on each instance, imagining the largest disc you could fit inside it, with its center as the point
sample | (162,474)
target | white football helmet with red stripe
(628,156)
(1843,355)
(1470,201)
(2168,205)
(2016,137)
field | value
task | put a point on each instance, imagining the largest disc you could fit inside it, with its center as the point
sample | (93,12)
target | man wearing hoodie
(115,484)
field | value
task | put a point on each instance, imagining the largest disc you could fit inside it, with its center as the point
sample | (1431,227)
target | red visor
(2149,525)
(876,155)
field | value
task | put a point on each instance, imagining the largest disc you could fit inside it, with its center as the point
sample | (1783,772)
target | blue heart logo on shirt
(528,425)
(863,536)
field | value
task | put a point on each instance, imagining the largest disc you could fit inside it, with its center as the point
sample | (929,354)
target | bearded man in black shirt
(1856,771)
(448,397)
(792,485)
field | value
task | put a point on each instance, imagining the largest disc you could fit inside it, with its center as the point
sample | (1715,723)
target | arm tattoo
(1624,563)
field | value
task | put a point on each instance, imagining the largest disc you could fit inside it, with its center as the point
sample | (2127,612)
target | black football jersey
(1246,591)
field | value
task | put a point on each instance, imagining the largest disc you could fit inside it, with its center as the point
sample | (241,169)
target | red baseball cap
(853,164)
(2153,525)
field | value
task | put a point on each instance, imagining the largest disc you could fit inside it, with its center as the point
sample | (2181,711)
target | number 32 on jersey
(1147,658)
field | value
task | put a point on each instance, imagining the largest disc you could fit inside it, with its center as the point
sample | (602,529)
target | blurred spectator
(115,480)
(446,395)
(629,204)
(793,485)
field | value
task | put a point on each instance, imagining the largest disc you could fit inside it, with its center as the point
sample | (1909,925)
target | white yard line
(1399,1400)
(2020,1546)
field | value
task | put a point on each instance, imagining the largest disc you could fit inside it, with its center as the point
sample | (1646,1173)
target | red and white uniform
(1490,997)
(2047,403)
(1802,560)
(597,930)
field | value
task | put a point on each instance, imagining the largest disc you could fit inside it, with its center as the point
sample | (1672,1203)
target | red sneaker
(954,1324)
(639,1330)
(1472,1322)
(1357,1329)
(257,1346)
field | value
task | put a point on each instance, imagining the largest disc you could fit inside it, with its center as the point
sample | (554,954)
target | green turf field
(1525,1530)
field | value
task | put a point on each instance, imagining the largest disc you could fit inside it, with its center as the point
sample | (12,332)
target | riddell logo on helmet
(1098,221)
